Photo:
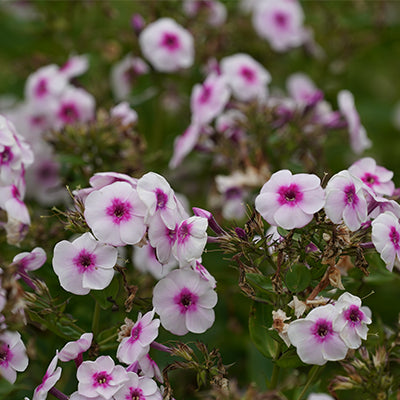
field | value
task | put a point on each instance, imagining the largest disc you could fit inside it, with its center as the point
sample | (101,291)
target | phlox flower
(30,261)
(184,301)
(345,200)
(358,136)
(167,45)
(352,320)
(75,105)
(138,387)
(149,368)
(145,260)
(73,350)
(229,124)
(314,337)
(386,238)
(100,378)
(280,22)
(84,264)
(184,144)
(302,89)
(13,356)
(51,377)
(215,10)
(158,197)
(209,99)
(45,84)
(290,201)
(124,113)
(11,200)
(247,78)
(142,334)
(125,73)
(378,178)
(204,273)
(191,238)
(116,214)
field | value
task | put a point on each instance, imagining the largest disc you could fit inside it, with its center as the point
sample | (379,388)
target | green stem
(274,378)
(96,319)
(106,340)
(311,376)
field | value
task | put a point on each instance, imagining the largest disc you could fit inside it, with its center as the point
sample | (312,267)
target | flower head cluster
(328,331)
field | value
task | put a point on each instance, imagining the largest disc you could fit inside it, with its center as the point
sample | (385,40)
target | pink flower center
(101,379)
(394,237)
(162,199)
(38,120)
(370,179)
(248,74)
(6,156)
(281,19)
(85,261)
(69,113)
(184,232)
(170,41)
(171,235)
(290,195)
(41,88)
(5,354)
(135,333)
(135,394)
(350,197)
(119,211)
(322,330)
(205,94)
(354,315)
(186,300)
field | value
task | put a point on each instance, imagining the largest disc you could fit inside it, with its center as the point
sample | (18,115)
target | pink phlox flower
(124,113)
(125,73)
(209,99)
(386,238)
(280,22)
(77,396)
(378,178)
(378,204)
(15,153)
(247,78)
(115,213)
(290,201)
(191,239)
(314,337)
(158,197)
(205,274)
(75,66)
(184,301)
(73,350)
(75,105)
(149,368)
(30,261)
(51,377)
(13,355)
(84,264)
(352,320)
(137,344)
(167,45)
(45,84)
(302,89)
(345,200)
(146,260)
(184,144)
(358,136)
(140,388)
(215,11)
(100,378)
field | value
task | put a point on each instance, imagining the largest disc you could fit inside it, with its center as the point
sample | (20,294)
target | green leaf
(260,282)
(260,320)
(298,278)
(111,291)
(282,232)
(289,359)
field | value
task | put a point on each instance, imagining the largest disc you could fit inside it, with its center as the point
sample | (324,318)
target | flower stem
(311,376)
(57,394)
(96,319)
(274,377)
